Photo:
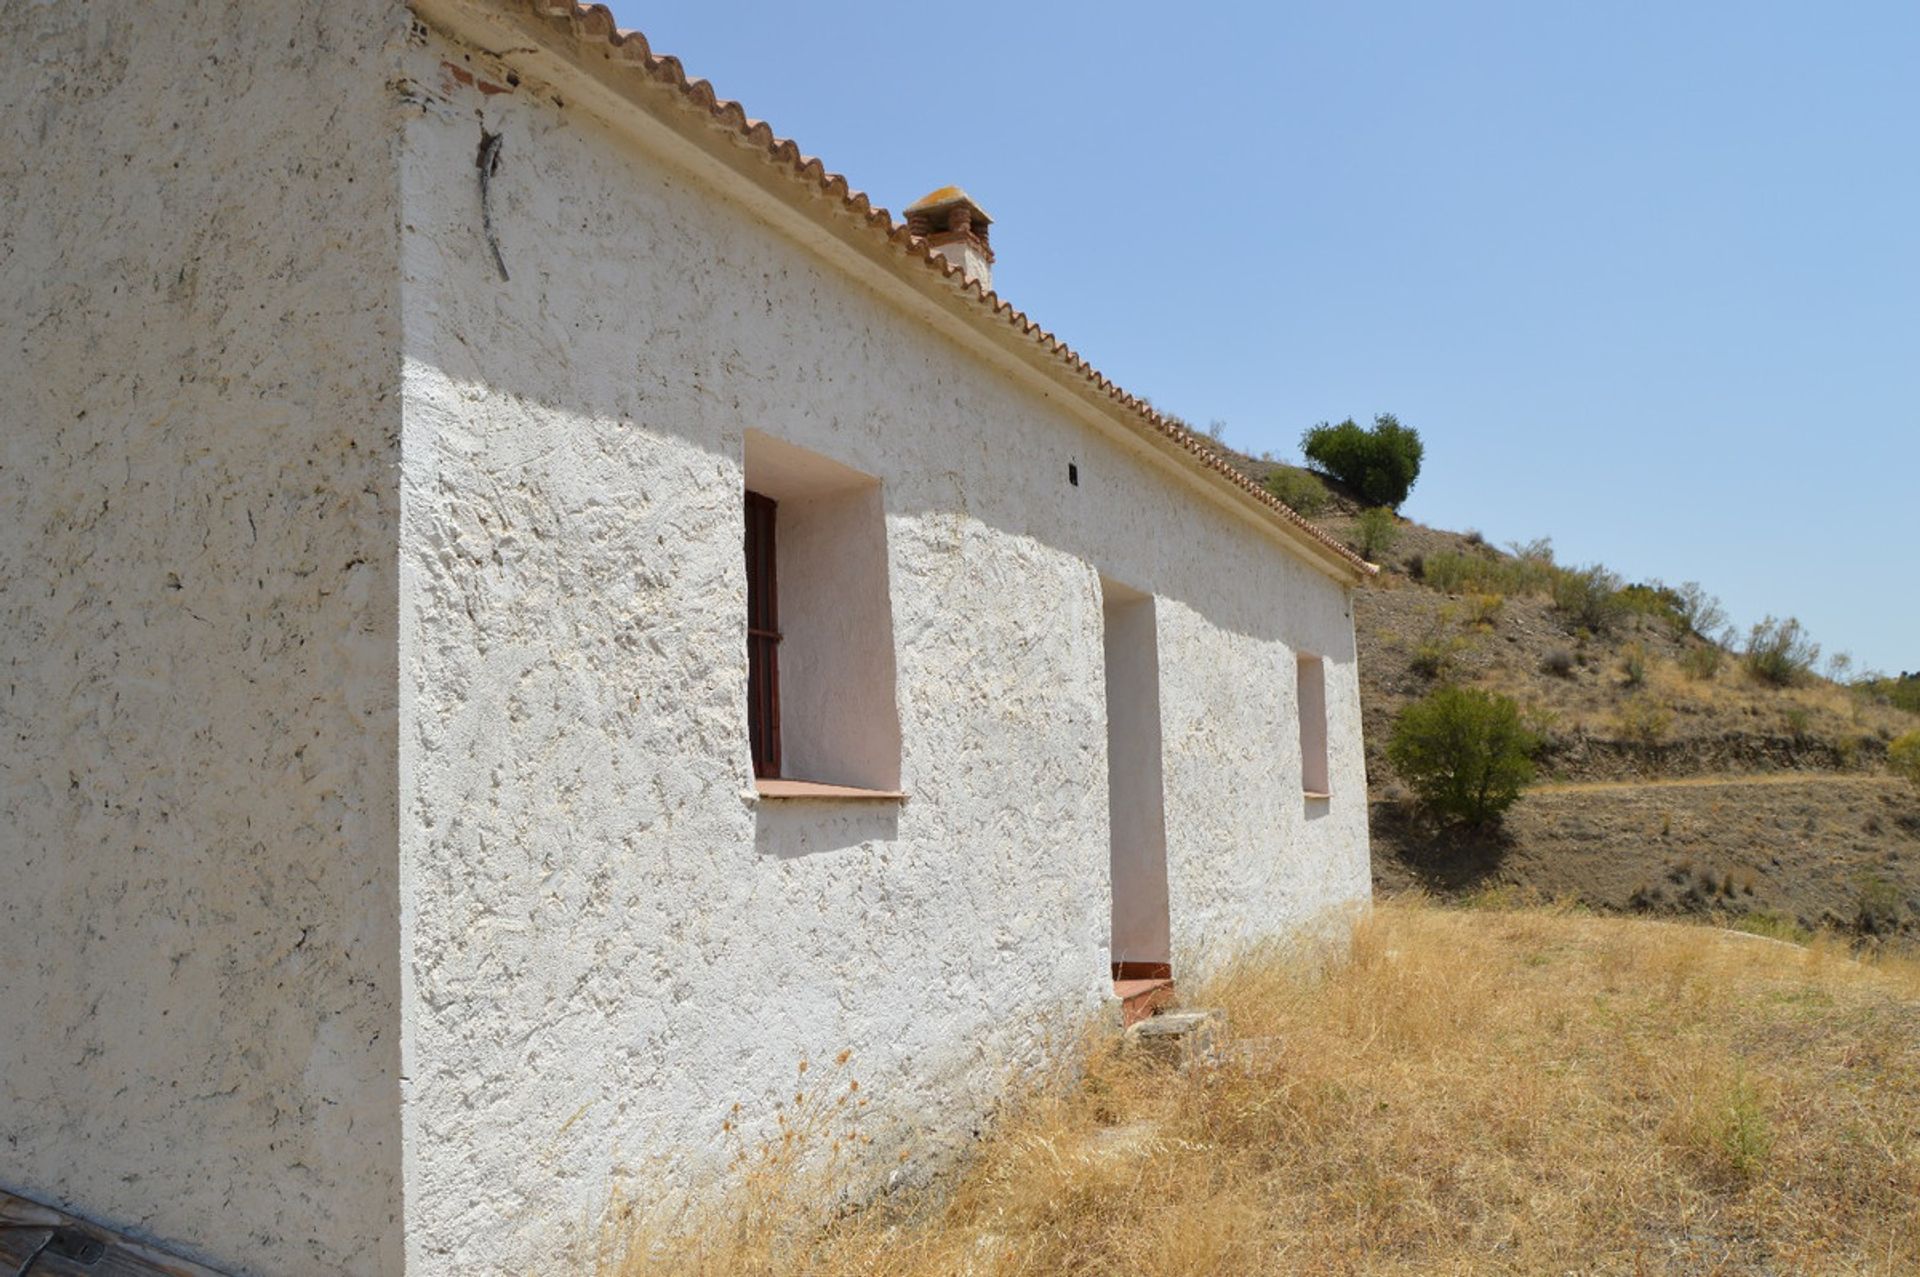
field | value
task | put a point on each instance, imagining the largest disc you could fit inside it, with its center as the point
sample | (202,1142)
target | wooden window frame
(763,635)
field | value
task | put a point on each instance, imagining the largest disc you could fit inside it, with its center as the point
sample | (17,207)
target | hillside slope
(1787,813)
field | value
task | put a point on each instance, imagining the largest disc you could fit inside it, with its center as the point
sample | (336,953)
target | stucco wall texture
(592,901)
(199,465)
(386,888)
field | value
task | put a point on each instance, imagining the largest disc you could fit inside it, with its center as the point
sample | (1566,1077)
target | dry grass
(1475,1091)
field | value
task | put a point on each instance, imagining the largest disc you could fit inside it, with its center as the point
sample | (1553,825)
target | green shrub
(1901,693)
(1633,664)
(1454,573)
(1903,758)
(1780,652)
(1465,752)
(1374,532)
(1702,661)
(1298,489)
(1588,597)
(1483,610)
(1433,658)
(1381,464)
(1448,572)
(1530,571)
(1655,601)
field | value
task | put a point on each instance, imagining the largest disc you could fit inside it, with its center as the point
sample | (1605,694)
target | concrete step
(1141,999)
(1180,1038)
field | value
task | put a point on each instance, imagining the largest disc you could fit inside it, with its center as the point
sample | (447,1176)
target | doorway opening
(1141,937)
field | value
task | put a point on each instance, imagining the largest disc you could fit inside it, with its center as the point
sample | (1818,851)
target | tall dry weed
(1532,1090)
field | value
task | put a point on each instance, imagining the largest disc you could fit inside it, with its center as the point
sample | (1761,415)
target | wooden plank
(39,1241)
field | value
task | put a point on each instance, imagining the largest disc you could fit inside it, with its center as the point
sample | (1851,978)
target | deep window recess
(763,637)
(1313,726)
(820,664)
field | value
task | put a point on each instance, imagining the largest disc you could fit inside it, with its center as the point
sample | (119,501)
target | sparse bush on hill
(1698,611)
(1465,752)
(1588,597)
(1877,906)
(1687,608)
(1488,573)
(1559,663)
(1903,758)
(1655,601)
(1633,665)
(1298,489)
(1381,464)
(1701,661)
(1901,693)
(1374,533)
(1531,570)
(1448,572)
(1538,550)
(1780,652)
(1434,656)
(1644,720)
(1483,610)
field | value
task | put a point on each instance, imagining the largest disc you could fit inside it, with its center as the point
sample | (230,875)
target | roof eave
(623,81)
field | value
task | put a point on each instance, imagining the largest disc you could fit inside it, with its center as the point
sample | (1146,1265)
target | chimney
(956,228)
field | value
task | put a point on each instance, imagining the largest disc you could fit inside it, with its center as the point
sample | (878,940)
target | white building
(397,863)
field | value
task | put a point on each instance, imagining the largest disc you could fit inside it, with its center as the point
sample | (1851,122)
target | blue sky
(1645,277)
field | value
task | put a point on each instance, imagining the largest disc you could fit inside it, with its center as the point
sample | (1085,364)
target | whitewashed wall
(199,472)
(608,946)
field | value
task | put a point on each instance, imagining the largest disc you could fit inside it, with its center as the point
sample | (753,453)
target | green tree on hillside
(1381,464)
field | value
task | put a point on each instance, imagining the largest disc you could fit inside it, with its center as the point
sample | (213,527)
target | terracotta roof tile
(594,23)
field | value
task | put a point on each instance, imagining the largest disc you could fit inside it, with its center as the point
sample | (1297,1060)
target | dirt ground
(1806,847)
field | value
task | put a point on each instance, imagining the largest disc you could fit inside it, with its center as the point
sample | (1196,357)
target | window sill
(1317,795)
(767,787)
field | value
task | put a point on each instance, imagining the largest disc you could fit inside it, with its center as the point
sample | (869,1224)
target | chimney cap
(945,198)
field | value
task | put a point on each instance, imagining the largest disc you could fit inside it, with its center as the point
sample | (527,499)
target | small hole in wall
(1073,473)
